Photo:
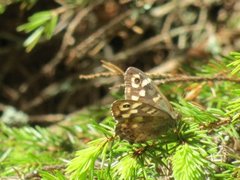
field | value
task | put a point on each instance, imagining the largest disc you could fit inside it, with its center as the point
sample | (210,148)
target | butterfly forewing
(139,87)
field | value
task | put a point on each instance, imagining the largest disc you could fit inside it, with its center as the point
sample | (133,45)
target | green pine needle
(188,163)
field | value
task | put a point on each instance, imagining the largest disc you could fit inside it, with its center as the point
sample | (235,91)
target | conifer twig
(153,41)
(111,67)
(97,75)
(46,118)
(196,79)
(35,174)
(216,124)
(83,47)
(68,37)
(165,78)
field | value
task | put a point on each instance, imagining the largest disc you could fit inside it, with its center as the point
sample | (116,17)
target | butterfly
(145,113)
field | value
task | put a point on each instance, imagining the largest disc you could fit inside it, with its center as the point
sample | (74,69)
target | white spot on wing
(135,105)
(142,92)
(146,82)
(155,99)
(126,115)
(135,85)
(133,111)
(135,98)
(151,111)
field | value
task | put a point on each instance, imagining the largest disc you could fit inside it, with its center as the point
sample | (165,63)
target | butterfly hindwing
(138,121)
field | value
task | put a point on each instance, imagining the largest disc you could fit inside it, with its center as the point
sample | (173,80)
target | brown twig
(111,67)
(98,75)
(35,174)
(46,118)
(68,37)
(196,79)
(153,41)
(81,49)
(166,78)
(216,124)
(166,8)
(11,93)
(47,93)
(169,66)
(40,119)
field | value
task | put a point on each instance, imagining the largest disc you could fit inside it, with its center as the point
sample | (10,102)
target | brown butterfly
(145,113)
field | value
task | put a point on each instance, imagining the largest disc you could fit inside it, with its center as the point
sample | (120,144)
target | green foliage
(52,176)
(194,114)
(24,3)
(236,63)
(189,163)
(20,146)
(41,24)
(234,105)
(82,165)
(126,168)
(2,8)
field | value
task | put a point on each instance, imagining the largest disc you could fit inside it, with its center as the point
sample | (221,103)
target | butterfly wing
(139,87)
(139,122)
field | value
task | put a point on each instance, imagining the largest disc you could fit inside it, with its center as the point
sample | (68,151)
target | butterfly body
(145,113)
